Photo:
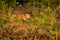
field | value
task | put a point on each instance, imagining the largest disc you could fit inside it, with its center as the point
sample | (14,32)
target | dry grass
(23,31)
(17,29)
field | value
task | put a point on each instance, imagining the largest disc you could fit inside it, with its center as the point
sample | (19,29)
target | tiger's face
(24,16)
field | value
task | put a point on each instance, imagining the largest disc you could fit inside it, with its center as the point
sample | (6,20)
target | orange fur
(24,16)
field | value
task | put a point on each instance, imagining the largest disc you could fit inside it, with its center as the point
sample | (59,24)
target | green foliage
(3,7)
(1,23)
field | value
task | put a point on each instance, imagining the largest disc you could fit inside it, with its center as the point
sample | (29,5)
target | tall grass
(42,25)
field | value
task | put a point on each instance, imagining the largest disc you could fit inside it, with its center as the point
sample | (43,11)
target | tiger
(24,16)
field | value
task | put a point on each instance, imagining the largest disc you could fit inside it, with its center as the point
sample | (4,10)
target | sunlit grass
(45,19)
